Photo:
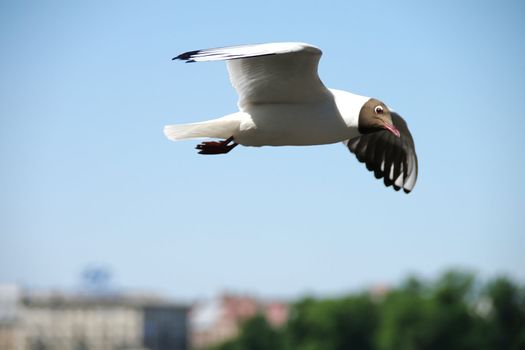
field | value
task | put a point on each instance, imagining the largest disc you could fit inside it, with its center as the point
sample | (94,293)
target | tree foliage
(453,312)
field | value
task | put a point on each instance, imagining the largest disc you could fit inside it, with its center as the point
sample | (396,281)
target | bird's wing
(392,158)
(269,73)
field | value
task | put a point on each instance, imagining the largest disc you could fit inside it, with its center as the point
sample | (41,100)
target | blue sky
(88,177)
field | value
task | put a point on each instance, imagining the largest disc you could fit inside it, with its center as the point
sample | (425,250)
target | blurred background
(113,237)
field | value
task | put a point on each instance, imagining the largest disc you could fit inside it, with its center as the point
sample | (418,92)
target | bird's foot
(216,147)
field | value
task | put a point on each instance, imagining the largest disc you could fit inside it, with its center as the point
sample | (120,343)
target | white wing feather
(269,73)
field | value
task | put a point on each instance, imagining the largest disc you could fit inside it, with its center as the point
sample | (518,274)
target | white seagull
(282,102)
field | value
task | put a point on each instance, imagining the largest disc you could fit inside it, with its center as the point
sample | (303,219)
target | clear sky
(87,176)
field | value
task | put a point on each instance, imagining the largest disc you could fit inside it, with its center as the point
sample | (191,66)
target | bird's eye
(379,110)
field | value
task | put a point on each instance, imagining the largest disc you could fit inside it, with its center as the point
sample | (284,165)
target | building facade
(90,322)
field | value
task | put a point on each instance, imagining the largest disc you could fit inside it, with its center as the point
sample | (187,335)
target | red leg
(216,147)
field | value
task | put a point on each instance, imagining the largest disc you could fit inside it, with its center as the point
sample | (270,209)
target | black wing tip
(186,56)
(390,156)
(397,188)
(378,174)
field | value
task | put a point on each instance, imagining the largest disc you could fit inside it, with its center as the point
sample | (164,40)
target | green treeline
(454,312)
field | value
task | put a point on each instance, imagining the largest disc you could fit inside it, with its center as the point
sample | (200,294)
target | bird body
(282,102)
(331,120)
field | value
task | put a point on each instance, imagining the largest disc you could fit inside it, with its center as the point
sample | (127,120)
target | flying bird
(283,102)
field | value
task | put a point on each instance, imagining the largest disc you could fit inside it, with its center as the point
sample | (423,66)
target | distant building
(60,321)
(220,319)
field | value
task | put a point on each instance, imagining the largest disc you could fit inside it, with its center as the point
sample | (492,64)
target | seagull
(283,102)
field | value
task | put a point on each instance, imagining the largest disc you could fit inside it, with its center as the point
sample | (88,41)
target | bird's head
(375,116)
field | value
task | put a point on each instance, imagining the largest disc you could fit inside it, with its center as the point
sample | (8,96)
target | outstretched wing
(269,73)
(392,158)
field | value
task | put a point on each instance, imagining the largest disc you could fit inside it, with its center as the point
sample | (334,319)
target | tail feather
(218,128)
